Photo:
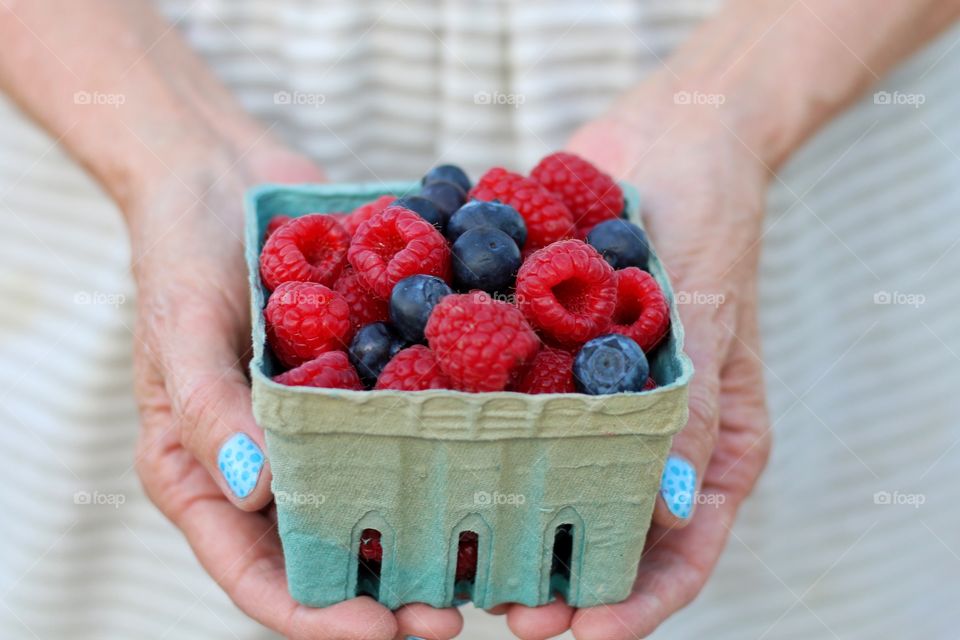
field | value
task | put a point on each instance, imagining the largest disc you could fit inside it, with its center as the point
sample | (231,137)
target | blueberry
(477,213)
(610,364)
(621,243)
(485,258)
(448,196)
(448,173)
(411,302)
(423,208)
(372,348)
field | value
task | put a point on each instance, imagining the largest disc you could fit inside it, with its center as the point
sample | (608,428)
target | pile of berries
(532,284)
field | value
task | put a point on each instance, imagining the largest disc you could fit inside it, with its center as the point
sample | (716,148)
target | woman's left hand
(703,195)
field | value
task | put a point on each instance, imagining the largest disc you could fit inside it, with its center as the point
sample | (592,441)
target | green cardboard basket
(559,488)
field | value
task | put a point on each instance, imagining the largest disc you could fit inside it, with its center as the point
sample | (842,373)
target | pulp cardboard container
(527,473)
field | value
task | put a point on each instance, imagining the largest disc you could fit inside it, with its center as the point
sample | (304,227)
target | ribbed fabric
(862,394)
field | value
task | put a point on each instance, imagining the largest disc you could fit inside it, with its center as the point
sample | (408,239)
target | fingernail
(240,461)
(677,485)
(415,638)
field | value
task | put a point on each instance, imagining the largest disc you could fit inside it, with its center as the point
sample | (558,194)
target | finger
(677,563)
(539,623)
(707,343)
(673,570)
(211,399)
(744,448)
(242,552)
(423,621)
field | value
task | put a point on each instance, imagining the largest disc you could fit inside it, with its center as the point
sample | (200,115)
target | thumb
(212,405)
(706,344)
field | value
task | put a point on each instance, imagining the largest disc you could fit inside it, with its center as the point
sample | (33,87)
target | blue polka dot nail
(240,461)
(677,486)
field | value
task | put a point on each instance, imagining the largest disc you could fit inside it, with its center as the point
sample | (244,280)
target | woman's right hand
(192,344)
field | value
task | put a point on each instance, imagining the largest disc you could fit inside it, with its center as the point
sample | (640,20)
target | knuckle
(199,409)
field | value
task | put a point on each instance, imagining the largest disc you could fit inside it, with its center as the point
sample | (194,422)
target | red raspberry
(642,312)
(352,221)
(547,218)
(310,248)
(550,371)
(394,244)
(305,319)
(479,342)
(275,223)
(370,548)
(568,291)
(467,556)
(331,370)
(413,369)
(365,308)
(591,195)
(650,384)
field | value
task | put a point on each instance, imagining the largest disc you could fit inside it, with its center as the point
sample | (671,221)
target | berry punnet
(331,370)
(485,258)
(621,243)
(550,371)
(591,195)
(567,291)
(310,248)
(642,311)
(395,244)
(413,369)
(365,307)
(352,221)
(478,213)
(305,319)
(448,173)
(610,364)
(411,302)
(545,215)
(480,343)
(372,348)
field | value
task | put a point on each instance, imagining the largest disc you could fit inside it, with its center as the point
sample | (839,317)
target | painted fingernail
(677,485)
(240,461)
(414,638)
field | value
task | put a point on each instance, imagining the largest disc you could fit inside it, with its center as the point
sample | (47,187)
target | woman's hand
(192,345)
(703,194)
